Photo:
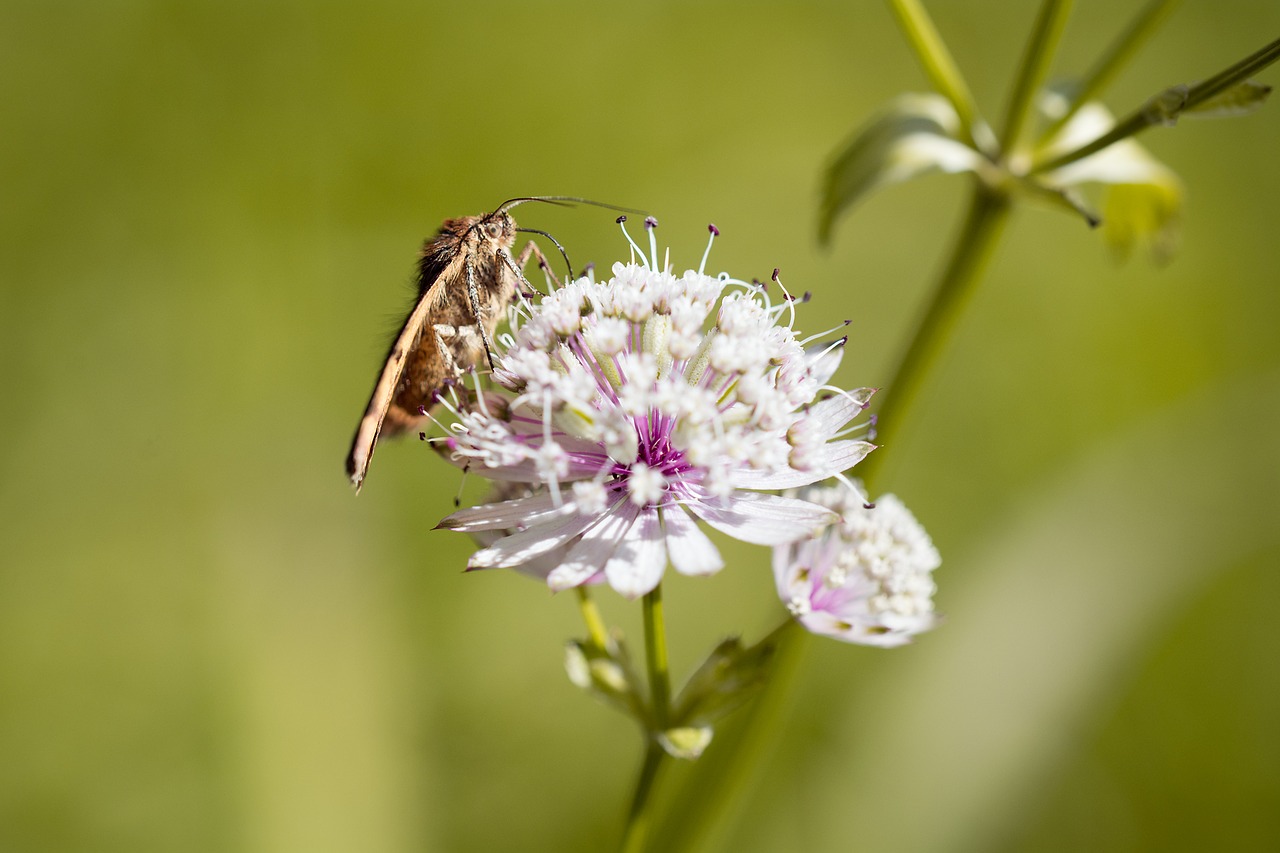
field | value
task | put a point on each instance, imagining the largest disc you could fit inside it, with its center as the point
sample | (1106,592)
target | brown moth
(466,279)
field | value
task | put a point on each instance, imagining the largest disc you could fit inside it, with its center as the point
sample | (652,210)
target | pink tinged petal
(823,360)
(786,574)
(831,625)
(527,544)
(597,545)
(506,515)
(765,519)
(829,460)
(691,552)
(827,417)
(637,564)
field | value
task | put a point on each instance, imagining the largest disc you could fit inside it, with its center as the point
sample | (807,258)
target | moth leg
(443,333)
(531,248)
(473,294)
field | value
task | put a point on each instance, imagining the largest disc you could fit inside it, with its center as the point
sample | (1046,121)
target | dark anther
(775,273)
(621,219)
(422,436)
(715,232)
(650,222)
(868,506)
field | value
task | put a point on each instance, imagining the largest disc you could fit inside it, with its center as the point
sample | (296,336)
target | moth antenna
(563,253)
(516,202)
(564,201)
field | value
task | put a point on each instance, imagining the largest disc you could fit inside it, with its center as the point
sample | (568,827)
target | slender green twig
(640,818)
(1039,53)
(591,615)
(1113,59)
(941,69)
(1165,107)
(655,655)
(969,256)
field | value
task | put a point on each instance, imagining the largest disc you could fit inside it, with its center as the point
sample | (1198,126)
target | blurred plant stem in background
(1005,172)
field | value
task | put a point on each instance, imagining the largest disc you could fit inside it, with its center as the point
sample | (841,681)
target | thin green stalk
(1116,56)
(932,52)
(591,615)
(1041,47)
(655,658)
(1165,107)
(972,251)
(640,817)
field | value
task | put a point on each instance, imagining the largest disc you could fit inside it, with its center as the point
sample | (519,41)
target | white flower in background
(867,579)
(636,405)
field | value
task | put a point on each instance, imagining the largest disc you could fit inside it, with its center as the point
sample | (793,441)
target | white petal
(834,457)
(785,576)
(827,417)
(692,553)
(506,515)
(526,544)
(637,563)
(590,554)
(765,519)
(823,360)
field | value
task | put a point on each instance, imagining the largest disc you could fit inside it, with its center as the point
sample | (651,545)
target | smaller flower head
(866,579)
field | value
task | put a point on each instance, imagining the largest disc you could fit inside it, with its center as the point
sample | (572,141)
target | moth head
(498,227)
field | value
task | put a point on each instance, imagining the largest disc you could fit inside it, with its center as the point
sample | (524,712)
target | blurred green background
(210,212)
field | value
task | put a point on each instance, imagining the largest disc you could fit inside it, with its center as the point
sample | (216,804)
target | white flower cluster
(867,579)
(637,404)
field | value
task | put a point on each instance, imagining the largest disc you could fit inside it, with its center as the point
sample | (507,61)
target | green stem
(1041,47)
(1113,59)
(591,615)
(987,213)
(1165,107)
(941,69)
(655,655)
(640,818)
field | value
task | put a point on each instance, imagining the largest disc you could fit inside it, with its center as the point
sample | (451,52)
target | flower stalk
(1166,107)
(1041,47)
(987,212)
(941,69)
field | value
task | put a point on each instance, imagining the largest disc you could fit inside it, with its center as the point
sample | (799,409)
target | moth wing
(384,392)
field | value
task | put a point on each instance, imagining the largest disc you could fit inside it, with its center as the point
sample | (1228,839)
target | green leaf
(916,135)
(728,677)
(1241,99)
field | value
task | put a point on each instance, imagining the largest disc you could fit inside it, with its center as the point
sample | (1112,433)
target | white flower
(866,579)
(626,417)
